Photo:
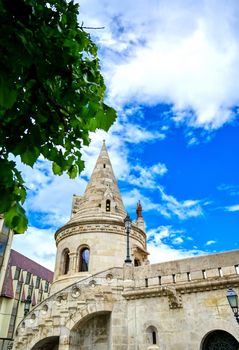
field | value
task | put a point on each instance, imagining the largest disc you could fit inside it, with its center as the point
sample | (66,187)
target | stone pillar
(128,276)
(73,262)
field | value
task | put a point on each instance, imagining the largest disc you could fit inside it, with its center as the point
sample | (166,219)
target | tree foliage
(51,94)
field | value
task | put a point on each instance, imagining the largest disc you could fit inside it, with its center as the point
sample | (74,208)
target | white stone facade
(110,305)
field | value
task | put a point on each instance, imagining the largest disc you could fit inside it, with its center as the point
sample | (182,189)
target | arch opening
(49,343)
(84,258)
(66,261)
(92,332)
(219,340)
(107,205)
(152,335)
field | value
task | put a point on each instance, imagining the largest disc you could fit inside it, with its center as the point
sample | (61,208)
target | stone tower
(94,239)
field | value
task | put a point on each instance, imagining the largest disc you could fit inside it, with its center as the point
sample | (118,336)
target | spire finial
(139,210)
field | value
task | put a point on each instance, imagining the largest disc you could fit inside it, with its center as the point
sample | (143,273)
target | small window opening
(154,337)
(136,262)
(189,276)
(108,205)
(99,205)
(220,272)
(146,282)
(160,280)
(204,274)
(66,262)
(104,165)
(174,278)
(84,259)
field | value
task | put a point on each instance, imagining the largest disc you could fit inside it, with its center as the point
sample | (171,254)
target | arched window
(84,259)
(152,335)
(66,261)
(107,205)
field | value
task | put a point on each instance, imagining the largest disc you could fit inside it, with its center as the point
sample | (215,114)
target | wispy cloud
(210,242)
(232,190)
(168,207)
(146,177)
(232,208)
(163,245)
(182,209)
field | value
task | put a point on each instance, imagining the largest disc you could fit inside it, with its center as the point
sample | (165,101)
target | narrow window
(204,274)
(104,165)
(160,280)
(38,280)
(39,298)
(237,269)
(84,259)
(18,290)
(28,278)
(220,272)
(189,276)
(174,278)
(146,282)
(17,273)
(46,287)
(108,205)
(154,337)
(30,289)
(66,262)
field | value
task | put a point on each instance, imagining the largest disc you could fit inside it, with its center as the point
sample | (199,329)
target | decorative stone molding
(114,227)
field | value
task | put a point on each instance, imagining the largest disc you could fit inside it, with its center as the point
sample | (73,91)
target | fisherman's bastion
(107,296)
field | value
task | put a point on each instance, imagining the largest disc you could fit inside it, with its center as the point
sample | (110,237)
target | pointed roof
(102,198)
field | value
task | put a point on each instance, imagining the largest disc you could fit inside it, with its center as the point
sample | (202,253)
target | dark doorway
(49,343)
(220,340)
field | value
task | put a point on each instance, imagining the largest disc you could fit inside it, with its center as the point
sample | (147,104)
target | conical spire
(102,197)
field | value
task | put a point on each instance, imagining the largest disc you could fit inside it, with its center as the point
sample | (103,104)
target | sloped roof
(101,187)
(21,261)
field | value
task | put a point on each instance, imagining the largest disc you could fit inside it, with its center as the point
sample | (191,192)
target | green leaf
(15,218)
(73,171)
(51,94)
(57,170)
(8,96)
(30,156)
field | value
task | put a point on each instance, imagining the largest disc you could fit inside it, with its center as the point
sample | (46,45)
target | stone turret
(102,197)
(94,238)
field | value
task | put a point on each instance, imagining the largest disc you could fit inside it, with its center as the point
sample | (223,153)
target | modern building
(24,283)
(107,296)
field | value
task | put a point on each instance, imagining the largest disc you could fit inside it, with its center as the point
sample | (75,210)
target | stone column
(73,262)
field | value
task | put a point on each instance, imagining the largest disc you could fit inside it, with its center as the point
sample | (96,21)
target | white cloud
(210,242)
(146,177)
(168,207)
(177,240)
(161,250)
(233,208)
(173,52)
(182,209)
(38,245)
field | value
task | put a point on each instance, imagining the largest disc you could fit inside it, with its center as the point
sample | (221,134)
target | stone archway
(49,343)
(219,340)
(92,332)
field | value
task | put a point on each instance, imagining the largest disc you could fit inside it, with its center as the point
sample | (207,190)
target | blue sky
(172,74)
